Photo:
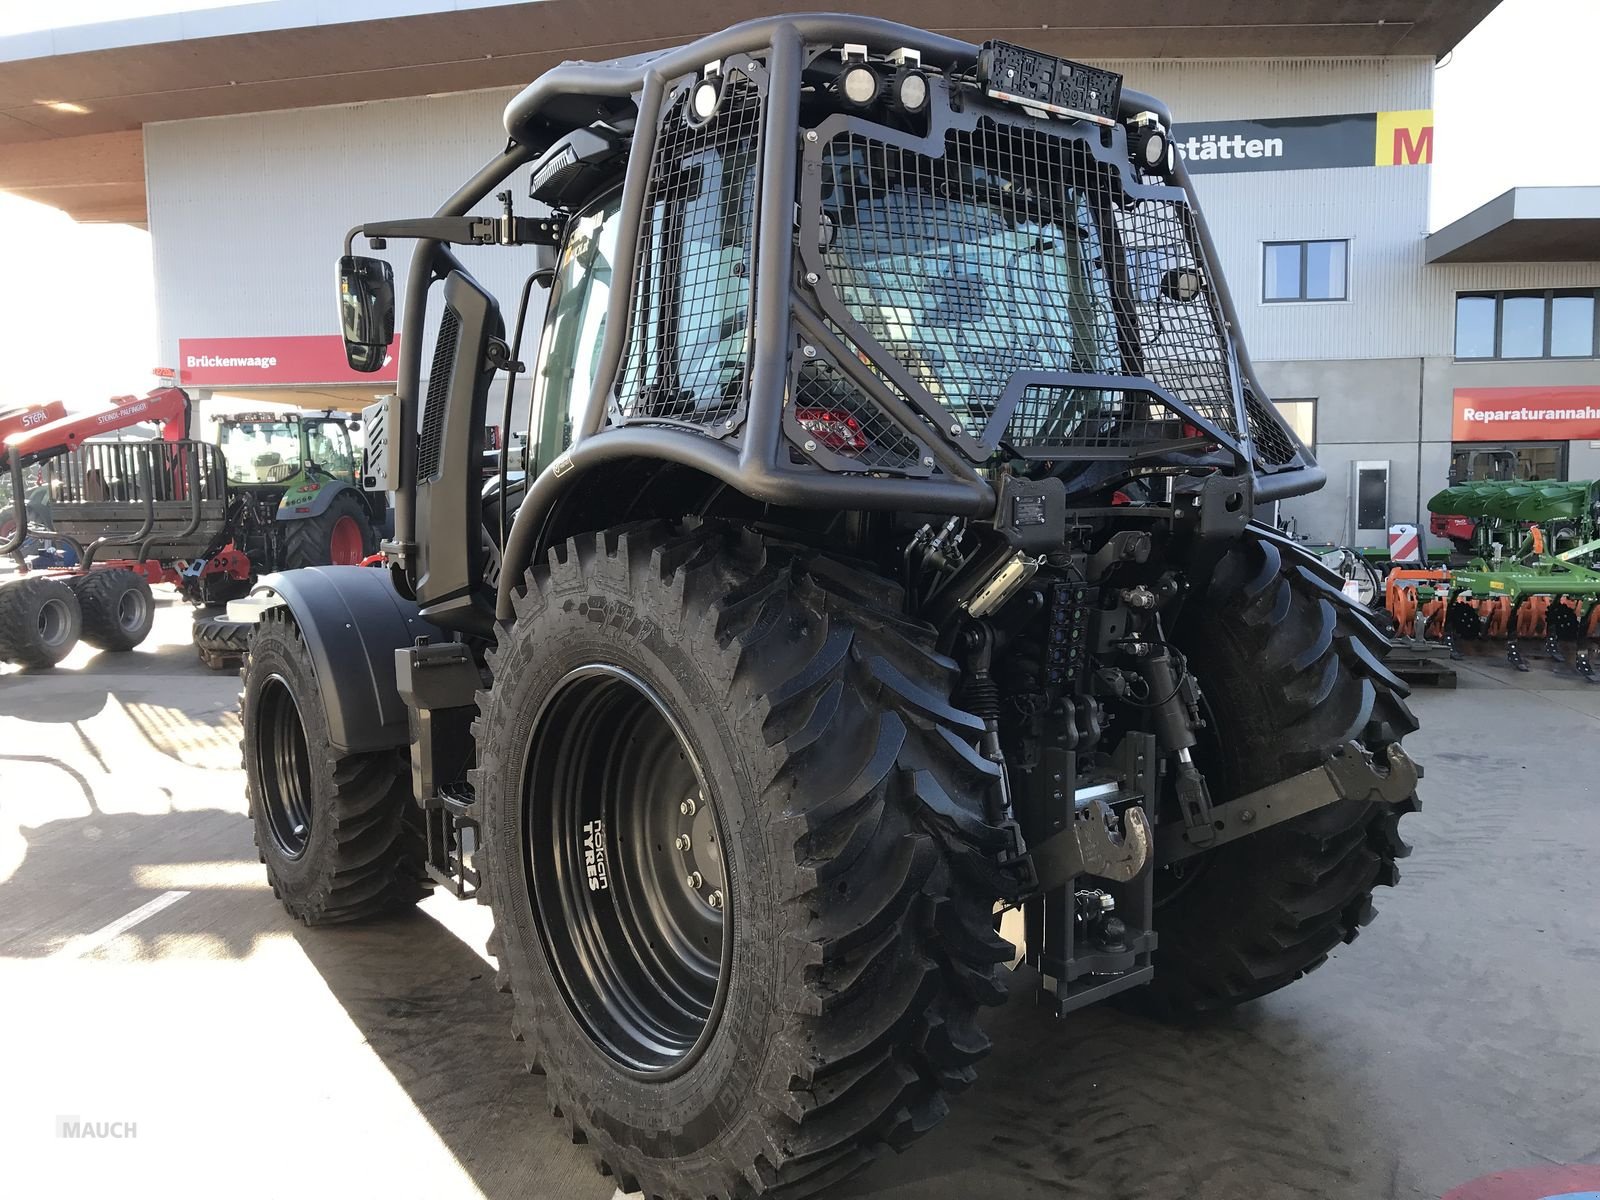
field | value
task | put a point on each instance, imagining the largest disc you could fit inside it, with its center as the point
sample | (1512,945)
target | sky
(1510,104)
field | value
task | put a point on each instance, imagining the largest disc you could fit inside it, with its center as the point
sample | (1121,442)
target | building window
(1554,323)
(1298,271)
(1300,416)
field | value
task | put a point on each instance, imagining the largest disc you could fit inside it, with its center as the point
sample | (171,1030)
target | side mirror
(366,311)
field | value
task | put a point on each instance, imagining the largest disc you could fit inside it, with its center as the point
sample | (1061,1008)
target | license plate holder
(1045,81)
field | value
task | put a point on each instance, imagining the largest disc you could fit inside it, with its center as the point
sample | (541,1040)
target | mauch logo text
(594,855)
(77,1127)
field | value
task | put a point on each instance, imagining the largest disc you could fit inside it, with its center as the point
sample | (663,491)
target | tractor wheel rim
(132,607)
(54,622)
(344,543)
(625,871)
(283,766)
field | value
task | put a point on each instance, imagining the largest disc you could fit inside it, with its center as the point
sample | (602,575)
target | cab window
(569,352)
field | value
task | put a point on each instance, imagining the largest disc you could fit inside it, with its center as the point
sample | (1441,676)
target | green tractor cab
(299,472)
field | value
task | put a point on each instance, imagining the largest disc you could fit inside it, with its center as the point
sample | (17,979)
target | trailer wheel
(39,621)
(118,609)
(339,833)
(341,535)
(1289,671)
(732,828)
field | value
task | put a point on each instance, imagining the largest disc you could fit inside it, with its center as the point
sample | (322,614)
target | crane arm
(166,406)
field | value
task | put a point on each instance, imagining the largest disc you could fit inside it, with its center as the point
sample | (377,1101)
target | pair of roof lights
(860,84)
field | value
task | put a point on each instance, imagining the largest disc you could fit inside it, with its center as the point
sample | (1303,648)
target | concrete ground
(148,976)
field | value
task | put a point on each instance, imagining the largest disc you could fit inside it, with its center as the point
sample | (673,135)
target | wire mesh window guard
(689,335)
(843,427)
(1009,253)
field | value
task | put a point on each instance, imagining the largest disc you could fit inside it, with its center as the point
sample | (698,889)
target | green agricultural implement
(1533,571)
(1567,513)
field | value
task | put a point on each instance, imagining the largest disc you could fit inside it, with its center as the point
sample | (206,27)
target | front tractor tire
(737,858)
(341,535)
(339,833)
(1290,671)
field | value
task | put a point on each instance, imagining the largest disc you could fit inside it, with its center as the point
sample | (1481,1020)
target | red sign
(1526,414)
(1576,1182)
(274,362)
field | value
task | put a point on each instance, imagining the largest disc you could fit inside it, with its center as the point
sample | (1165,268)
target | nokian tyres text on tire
(339,833)
(39,621)
(1290,670)
(677,713)
(118,609)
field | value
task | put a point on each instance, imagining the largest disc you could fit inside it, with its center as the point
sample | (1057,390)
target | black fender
(353,621)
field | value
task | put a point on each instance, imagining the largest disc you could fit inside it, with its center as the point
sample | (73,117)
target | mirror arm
(465,231)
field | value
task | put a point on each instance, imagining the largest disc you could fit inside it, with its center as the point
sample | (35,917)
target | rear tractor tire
(1290,671)
(118,608)
(341,535)
(735,846)
(40,621)
(338,832)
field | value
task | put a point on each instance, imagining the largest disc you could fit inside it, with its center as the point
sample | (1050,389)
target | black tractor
(881,620)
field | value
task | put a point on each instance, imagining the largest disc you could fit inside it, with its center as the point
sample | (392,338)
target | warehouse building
(250,139)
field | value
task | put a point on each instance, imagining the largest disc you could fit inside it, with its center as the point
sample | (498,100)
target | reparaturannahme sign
(1526,414)
(1385,139)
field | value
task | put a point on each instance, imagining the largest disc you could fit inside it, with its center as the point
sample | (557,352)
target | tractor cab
(297,452)
(288,448)
(294,480)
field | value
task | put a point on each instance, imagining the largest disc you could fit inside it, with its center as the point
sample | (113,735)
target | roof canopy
(1526,224)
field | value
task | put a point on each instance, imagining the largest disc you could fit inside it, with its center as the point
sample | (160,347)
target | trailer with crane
(277,490)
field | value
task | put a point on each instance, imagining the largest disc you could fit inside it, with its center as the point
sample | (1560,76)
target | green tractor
(295,476)
(294,500)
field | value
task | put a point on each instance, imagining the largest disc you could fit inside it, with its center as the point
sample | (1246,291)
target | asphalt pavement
(149,980)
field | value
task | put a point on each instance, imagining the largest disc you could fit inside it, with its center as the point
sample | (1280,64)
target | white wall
(248,214)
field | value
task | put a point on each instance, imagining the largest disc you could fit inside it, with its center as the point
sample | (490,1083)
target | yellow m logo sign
(1404,139)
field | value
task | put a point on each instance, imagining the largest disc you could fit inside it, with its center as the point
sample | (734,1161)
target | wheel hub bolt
(687,807)
(715,899)
(682,841)
(694,880)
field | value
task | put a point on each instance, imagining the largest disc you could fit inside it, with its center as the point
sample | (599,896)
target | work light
(859,85)
(706,97)
(1149,145)
(910,90)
